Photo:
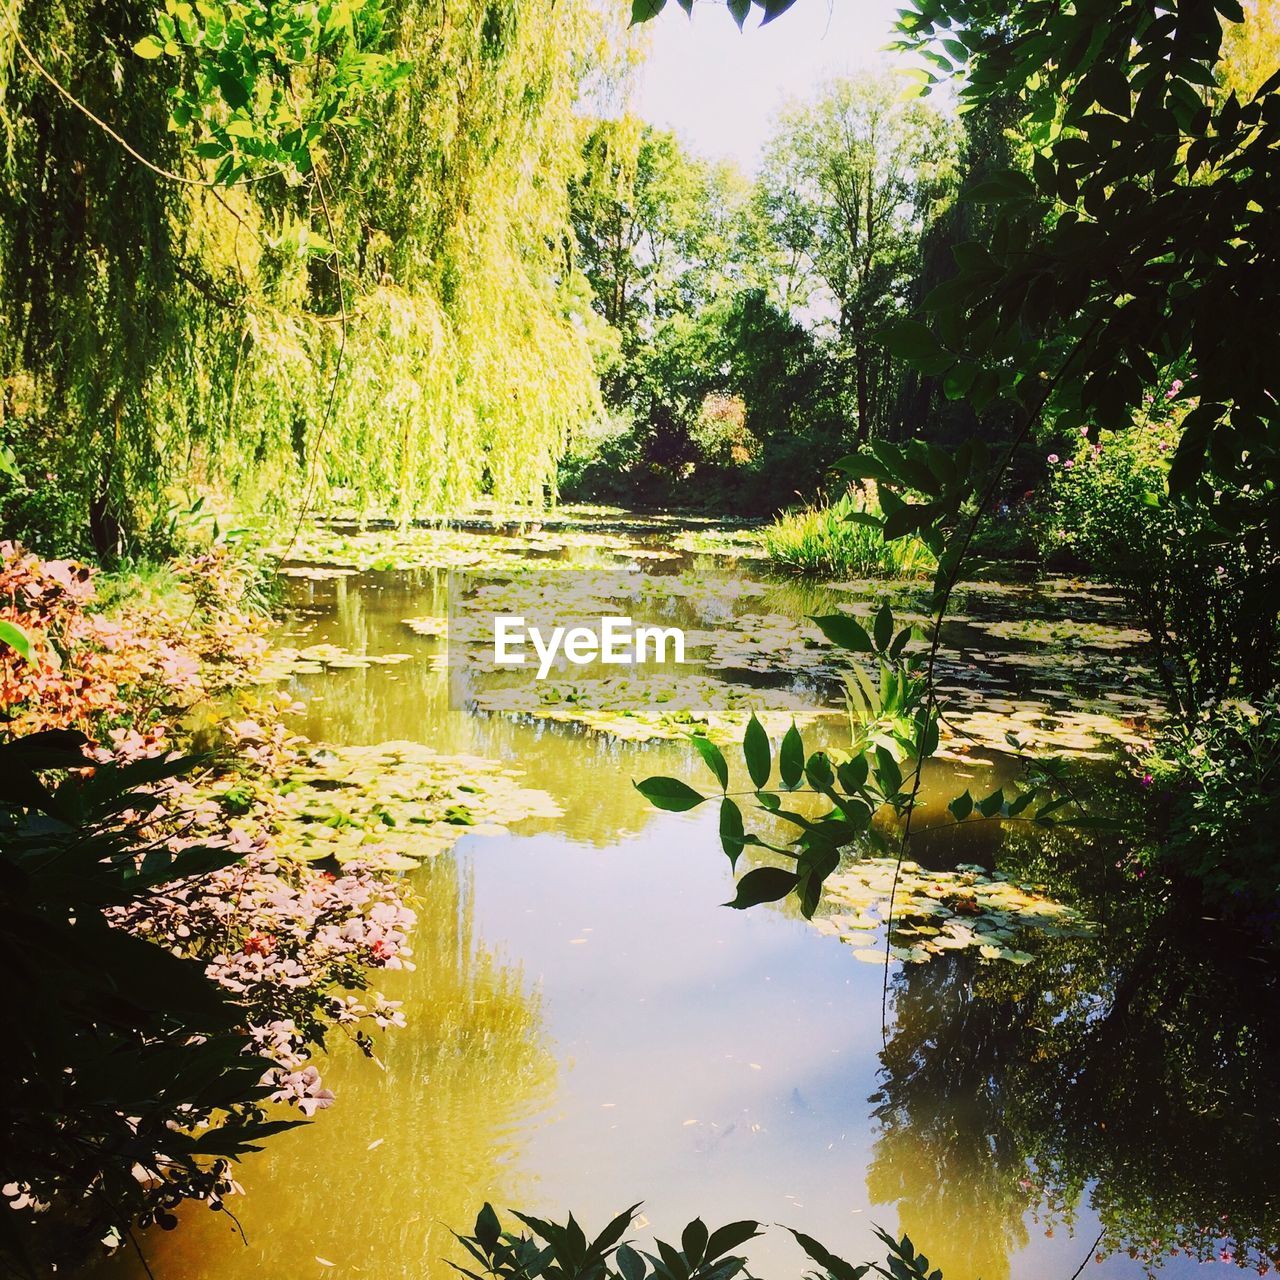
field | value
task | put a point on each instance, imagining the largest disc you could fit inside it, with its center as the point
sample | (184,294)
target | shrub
(1210,602)
(1220,779)
(832,540)
(173,971)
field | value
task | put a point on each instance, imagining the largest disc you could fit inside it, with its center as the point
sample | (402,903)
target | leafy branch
(561,1251)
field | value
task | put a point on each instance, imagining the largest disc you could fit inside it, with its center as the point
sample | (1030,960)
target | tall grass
(825,540)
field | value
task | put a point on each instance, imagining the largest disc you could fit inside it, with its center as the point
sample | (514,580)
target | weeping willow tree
(401,328)
(92,299)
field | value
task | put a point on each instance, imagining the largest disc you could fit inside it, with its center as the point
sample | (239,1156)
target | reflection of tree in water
(945,1152)
(374,1186)
(1163,1086)
(1139,1072)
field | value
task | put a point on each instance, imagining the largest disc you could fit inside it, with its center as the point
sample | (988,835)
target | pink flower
(1070,462)
(1053,457)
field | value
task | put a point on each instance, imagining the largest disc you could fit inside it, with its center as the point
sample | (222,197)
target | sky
(721,90)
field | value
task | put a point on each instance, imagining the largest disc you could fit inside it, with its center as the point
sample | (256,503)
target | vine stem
(120,141)
(1079,1271)
(1033,415)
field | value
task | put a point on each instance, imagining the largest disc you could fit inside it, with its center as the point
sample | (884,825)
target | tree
(659,231)
(298,247)
(849,184)
(988,144)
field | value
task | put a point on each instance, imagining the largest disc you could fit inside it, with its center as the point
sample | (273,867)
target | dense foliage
(1206,602)
(1132,253)
(767,291)
(358,307)
(174,968)
(1218,780)
(311,253)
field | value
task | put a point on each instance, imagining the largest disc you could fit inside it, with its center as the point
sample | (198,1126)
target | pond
(588,1027)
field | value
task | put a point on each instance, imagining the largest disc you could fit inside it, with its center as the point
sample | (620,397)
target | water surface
(589,1028)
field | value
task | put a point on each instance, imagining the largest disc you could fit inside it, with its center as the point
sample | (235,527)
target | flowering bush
(97,672)
(138,862)
(1209,602)
(1219,780)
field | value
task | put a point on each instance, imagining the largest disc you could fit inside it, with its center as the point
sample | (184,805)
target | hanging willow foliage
(160,337)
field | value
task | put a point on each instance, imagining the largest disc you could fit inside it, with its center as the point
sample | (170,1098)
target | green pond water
(588,1027)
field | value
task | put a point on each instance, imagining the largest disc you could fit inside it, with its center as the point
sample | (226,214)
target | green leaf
(1007,185)
(731,829)
(645,10)
(862,466)
(670,794)
(884,627)
(888,775)
(853,775)
(488,1229)
(614,1232)
(765,884)
(836,1268)
(819,772)
(233,90)
(909,339)
(713,758)
(755,750)
(730,1236)
(693,1241)
(904,520)
(630,1263)
(774,8)
(992,804)
(18,641)
(148,47)
(961,807)
(791,758)
(844,632)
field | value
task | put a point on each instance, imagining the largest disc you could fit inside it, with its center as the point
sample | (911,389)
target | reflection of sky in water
(665,1008)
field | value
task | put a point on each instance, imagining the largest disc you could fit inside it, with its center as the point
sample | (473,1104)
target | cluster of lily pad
(283,662)
(936,912)
(657,706)
(393,804)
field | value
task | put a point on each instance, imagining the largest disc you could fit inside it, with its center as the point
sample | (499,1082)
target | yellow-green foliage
(465,363)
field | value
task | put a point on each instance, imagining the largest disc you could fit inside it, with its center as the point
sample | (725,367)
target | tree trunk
(863,393)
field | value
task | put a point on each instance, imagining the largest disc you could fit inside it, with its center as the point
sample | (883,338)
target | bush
(831,540)
(173,969)
(1220,779)
(1210,602)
